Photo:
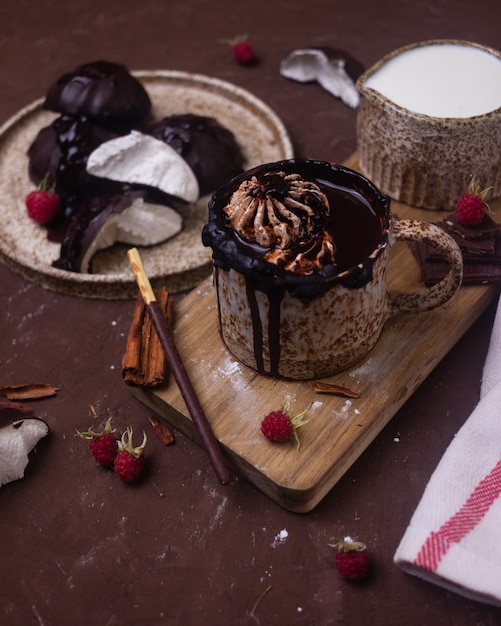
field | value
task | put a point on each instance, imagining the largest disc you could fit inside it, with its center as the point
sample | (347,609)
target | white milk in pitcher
(445,80)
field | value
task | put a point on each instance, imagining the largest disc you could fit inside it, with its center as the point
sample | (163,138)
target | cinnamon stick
(144,359)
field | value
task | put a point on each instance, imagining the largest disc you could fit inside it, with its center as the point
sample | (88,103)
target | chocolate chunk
(486,228)
(484,273)
(473,249)
(480,246)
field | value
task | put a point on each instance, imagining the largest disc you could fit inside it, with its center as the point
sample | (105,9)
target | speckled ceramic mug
(304,327)
(422,159)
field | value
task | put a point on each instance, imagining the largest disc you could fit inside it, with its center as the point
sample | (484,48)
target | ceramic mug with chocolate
(300,252)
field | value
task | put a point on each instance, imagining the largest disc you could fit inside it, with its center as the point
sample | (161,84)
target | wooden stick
(202,426)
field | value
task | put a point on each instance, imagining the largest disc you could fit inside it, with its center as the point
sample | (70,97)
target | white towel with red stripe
(454,536)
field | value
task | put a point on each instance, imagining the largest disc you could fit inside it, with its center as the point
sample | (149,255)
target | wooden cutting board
(235,398)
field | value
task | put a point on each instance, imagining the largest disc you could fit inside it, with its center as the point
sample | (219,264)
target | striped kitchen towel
(454,536)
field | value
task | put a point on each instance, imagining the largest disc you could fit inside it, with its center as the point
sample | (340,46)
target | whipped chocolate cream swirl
(284,213)
(276,209)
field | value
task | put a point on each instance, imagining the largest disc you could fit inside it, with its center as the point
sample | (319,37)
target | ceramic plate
(180,263)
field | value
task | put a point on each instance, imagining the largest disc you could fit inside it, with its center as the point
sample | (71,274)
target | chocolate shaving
(144,359)
(29,391)
(334,390)
(161,430)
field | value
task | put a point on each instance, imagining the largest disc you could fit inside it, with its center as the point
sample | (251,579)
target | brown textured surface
(80,548)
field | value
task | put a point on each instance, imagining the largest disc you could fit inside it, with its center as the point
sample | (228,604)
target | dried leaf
(161,430)
(29,391)
(334,390)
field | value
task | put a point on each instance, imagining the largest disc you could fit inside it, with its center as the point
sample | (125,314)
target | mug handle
(436,295)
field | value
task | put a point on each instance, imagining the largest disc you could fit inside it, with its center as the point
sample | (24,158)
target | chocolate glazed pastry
(103,91)
(210,149)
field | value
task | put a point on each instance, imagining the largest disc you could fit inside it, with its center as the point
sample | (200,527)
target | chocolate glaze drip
(275,301)
(59,154)
(256,327)
(209,148)
(60,151)
(103,91)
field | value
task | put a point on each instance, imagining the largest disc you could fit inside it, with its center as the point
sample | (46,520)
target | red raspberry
(279,426)
(242,50)
(129,462)
(352,559)
(244,53)
(471,206)
(43,204)
(103,445)
(104,449)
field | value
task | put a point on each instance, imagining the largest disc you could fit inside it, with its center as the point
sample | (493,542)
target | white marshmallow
(142,159)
